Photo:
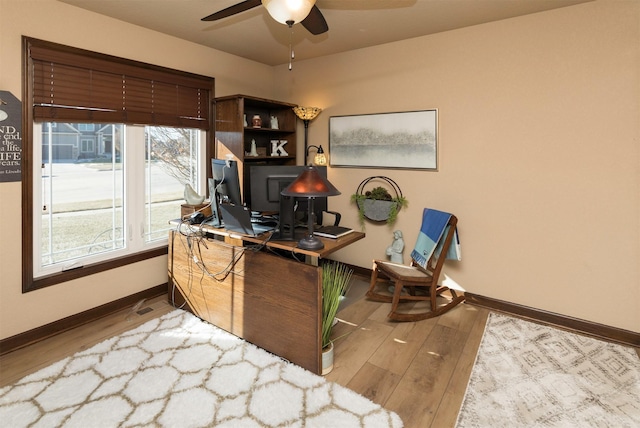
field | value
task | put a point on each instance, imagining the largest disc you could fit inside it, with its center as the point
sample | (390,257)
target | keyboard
(261,228)
(264,221)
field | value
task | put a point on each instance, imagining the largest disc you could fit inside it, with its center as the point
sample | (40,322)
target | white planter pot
(327,359)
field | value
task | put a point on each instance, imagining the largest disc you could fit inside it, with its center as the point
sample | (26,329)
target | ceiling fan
(286,12)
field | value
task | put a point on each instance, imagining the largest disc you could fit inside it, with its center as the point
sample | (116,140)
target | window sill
(30,284)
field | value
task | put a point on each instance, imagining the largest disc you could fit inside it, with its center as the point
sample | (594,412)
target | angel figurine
(394,251)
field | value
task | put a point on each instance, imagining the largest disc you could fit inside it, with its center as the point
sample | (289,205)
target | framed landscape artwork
(386,140)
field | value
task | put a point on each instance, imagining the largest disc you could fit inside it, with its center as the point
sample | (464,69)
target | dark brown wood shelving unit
(233,137)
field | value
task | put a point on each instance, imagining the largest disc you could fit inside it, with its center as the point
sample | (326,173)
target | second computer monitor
(266,183)
(226,181)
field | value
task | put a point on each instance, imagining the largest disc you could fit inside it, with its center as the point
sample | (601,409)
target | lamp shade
(310,184)
(307,113)
(320,158)
(288,11)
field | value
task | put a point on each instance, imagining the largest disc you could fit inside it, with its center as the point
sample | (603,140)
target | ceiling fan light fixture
(285,11)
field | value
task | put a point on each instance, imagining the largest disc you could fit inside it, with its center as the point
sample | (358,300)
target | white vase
(327,359)
(191,197)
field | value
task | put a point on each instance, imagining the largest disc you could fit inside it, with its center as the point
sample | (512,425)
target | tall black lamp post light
(306,114)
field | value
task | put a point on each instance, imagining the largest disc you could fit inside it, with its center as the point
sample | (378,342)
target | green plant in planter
(388,212)
(335,281)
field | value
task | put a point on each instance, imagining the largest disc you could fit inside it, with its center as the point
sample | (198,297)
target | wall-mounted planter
(381,203)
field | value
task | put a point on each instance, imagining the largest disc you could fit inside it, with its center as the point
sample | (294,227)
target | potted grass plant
(335,280)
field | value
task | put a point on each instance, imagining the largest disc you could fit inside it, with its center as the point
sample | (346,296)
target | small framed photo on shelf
(406,140)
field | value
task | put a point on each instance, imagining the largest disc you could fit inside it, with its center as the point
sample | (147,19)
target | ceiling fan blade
(315,22)
(232,10)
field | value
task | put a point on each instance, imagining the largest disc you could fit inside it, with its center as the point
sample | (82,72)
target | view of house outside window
(107,189)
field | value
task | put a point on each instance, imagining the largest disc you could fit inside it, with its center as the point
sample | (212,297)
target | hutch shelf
(235,131)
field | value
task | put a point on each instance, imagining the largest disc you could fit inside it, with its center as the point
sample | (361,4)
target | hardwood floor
(418,370)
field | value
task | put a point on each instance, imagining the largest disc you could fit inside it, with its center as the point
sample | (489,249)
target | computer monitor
(267,181)
(226,181)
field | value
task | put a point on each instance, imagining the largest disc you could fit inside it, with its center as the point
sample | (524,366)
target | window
(173,156)
(86,145)
(85,212)
(100,192)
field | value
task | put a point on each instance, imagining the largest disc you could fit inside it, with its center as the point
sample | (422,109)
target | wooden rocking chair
(420,279)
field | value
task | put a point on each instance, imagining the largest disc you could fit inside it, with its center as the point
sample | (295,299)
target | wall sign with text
(10,137)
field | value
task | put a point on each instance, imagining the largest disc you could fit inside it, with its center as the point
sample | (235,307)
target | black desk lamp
(310,184)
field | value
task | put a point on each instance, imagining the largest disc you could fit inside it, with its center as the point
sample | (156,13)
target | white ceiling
(353,24)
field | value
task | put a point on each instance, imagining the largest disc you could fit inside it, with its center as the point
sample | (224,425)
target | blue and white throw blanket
(431,238)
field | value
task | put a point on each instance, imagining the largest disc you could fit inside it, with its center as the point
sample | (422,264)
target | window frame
(29,282)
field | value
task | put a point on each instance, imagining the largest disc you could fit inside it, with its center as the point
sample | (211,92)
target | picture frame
(406,140)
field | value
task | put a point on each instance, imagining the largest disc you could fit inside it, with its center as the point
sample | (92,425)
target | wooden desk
(271,301)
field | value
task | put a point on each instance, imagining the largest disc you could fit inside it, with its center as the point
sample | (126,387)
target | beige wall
(61,23)
(539,150)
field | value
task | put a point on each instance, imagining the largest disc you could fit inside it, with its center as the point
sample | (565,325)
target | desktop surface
(330,245)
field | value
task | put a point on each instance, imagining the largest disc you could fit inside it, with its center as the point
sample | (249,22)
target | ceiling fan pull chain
(292,55)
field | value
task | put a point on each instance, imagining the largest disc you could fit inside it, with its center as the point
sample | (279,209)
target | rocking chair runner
(432,248)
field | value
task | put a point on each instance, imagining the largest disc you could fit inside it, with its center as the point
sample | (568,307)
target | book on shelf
(332,231)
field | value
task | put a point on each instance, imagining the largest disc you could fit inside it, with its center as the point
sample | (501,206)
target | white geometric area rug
(531,375)
(177,371)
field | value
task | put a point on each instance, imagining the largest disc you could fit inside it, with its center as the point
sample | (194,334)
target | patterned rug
(177,371)
(530,375)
